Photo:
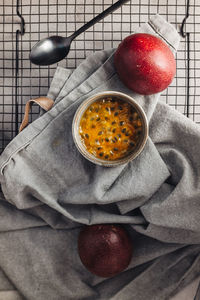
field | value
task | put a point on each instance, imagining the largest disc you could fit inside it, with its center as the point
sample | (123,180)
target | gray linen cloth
(50,192)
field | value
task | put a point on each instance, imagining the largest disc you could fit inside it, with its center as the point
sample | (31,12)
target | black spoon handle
(98,18)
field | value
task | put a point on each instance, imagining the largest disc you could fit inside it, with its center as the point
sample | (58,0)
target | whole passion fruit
(144,63)
(104,249)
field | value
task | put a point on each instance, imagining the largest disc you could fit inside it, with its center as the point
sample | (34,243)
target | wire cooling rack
(25,22)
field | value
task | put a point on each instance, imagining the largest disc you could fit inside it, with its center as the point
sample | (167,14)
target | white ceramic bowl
(77,138)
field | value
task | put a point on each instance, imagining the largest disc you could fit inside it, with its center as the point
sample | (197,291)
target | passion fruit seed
(123,130)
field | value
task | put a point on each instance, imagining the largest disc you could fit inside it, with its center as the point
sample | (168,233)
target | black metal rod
(22,23)
(187,36)
(188,74)
(16,81)
(184,20)
(18,33)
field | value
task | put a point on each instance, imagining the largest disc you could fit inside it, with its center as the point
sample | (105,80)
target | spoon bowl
(50,50)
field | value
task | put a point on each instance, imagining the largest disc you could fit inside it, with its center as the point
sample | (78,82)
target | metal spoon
(53,49)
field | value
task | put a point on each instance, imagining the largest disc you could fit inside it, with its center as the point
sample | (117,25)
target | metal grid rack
(20,80)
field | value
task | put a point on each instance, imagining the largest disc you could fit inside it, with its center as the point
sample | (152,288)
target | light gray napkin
(50,191)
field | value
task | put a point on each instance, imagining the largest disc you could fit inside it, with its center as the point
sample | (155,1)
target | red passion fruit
(144,63)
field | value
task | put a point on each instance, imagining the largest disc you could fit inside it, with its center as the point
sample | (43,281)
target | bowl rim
(76,122)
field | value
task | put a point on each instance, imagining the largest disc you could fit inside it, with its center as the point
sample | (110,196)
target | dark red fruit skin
(104,249)
(144,63)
